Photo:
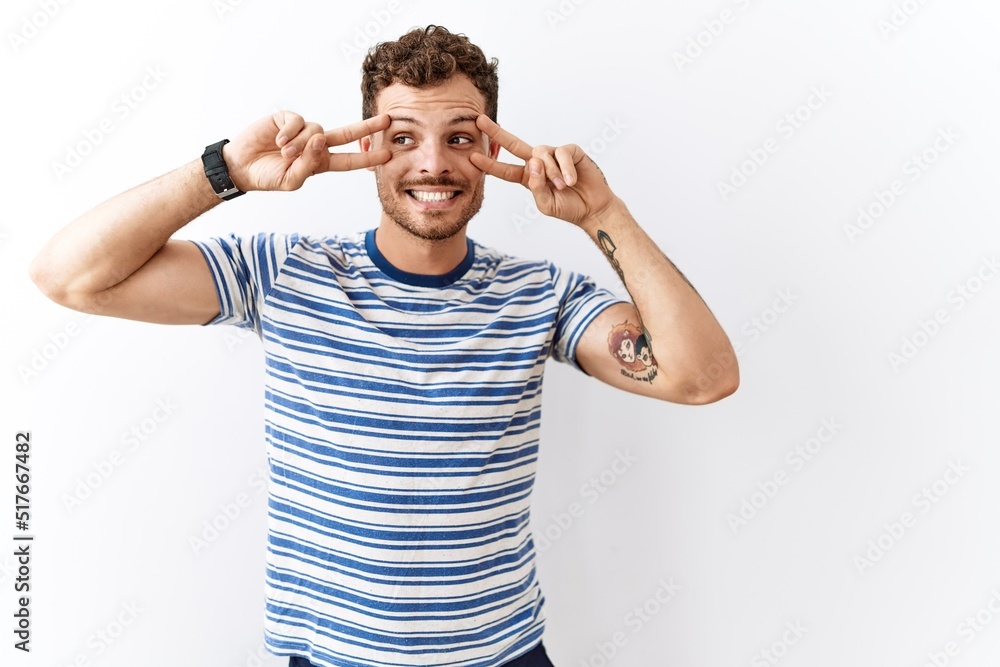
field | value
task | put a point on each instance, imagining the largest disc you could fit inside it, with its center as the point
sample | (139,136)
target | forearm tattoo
(631,345)
(609,247)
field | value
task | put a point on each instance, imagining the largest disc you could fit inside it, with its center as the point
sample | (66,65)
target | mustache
(440,181)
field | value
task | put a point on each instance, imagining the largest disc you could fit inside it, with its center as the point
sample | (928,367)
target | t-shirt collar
(418,279)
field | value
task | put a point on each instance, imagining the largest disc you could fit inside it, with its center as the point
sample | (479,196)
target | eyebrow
(457,120)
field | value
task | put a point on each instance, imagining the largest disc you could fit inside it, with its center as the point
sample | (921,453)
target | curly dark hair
(427,57)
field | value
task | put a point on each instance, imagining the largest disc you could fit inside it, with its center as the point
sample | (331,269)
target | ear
(365,144)
(494,149)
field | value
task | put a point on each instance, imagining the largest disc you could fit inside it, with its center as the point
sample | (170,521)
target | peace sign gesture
(565,182)
(280,151)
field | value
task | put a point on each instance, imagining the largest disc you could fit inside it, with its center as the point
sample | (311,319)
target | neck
(416,255)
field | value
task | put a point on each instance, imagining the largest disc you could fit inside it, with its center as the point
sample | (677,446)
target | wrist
(615,209)
(235,171)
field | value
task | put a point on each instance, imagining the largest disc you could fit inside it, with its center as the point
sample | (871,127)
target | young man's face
(430,187)
(644,355)
(627,350)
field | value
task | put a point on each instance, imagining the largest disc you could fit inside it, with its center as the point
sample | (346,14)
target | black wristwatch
(218,173)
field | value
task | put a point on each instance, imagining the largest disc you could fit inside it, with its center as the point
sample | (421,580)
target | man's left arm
(667,344)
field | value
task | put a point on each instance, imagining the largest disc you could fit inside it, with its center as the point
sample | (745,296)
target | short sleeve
(244,268)
(580,301)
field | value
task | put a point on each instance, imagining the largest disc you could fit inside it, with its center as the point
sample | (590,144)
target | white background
(781,241)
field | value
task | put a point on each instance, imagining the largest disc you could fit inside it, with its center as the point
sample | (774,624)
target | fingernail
(534,168)
(560,183)
(281,140)
(291,152)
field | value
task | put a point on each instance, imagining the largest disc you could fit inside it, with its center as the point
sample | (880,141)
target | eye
(461,140)
(400,139)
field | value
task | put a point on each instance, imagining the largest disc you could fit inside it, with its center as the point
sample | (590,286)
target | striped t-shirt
(402,417)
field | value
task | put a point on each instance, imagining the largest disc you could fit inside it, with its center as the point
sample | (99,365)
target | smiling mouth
(426,196)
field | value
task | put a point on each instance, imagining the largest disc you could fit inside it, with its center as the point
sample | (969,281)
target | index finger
(354,131)
(352,161)
(513,145)
(508,172)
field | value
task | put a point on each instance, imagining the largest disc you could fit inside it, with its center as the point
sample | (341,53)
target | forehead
(457,96)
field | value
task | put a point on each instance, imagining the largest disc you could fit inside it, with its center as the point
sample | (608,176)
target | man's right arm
(119,259)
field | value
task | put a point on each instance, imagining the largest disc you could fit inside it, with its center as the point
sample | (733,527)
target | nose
(433,159)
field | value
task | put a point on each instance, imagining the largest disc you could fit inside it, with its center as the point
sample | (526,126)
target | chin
(429,230)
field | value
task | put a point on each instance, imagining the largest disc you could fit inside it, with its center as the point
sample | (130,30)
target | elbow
(40,272)
(720,381)
(717,391)
(700,392)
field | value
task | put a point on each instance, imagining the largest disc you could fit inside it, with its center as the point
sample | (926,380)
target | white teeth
(431,196)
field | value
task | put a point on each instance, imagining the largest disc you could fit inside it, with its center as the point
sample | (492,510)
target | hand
(565,182)
(280,151)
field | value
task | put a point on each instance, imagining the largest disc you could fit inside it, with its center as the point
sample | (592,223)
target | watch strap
(218,173)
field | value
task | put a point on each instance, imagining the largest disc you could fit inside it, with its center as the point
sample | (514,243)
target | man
(404,364)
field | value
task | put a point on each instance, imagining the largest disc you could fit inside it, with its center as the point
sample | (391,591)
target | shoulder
(343,248)
(496,264)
